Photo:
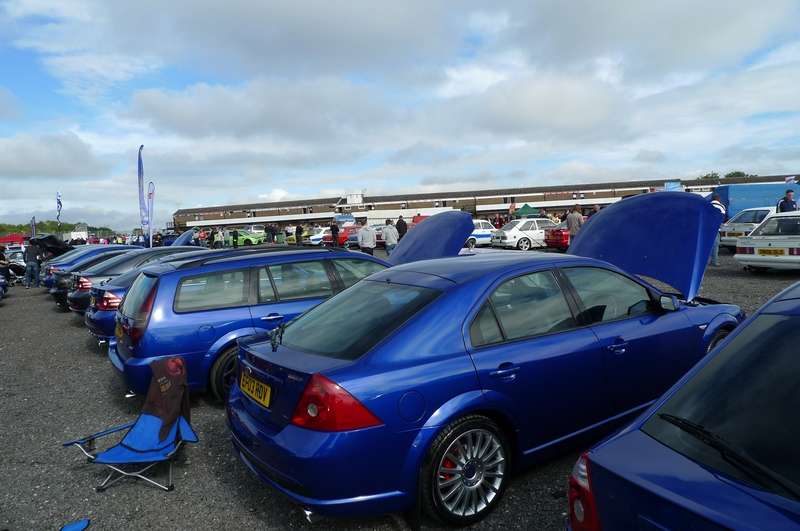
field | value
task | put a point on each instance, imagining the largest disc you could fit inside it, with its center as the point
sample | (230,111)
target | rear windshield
(748,396)
(750,216)
(75,253)
(110,265)
(354,321)
(136,295)
(511,224)
(779,226)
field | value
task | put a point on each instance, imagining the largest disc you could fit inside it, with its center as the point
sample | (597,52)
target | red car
(344,234)
(557,237)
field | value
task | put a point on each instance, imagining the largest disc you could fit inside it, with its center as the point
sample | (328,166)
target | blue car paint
(91,250)
(638,481)
(676,254)
(431,357)
(429,239)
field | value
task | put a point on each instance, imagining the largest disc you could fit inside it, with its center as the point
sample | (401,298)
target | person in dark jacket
(401,227)
(235,238)
(31,266)
(334,234)
(787,204)
(298,235)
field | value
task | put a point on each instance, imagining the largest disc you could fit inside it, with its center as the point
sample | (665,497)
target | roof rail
(249,250)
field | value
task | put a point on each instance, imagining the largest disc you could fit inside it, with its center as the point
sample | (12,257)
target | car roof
(786,214)
(771,208)
(466,268)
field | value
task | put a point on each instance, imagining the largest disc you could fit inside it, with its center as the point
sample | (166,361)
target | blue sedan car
(719,451)
(453,372)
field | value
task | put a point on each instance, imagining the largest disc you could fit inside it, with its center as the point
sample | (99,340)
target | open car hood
(50,243)
(184,239)
(667,236)
(438,236)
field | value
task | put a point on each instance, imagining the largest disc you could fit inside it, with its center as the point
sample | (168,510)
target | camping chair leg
(138,474)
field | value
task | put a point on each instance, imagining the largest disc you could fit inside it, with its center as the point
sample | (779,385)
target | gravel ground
(55,386)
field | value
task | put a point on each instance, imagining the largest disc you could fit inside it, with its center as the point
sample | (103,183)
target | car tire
(223,372)
(460,499)
(471,243)
(248,242)
(719,335)
(524,244)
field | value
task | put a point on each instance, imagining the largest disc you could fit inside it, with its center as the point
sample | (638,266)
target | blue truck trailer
(737,197)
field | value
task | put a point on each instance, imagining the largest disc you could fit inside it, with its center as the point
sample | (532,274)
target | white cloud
(57,155)
(276,194)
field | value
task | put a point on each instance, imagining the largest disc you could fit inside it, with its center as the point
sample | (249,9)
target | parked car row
(357,386)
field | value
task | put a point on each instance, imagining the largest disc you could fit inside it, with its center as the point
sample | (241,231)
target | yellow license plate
(772,252)
(731,234)
(258,391)
(118,331)
(92,302)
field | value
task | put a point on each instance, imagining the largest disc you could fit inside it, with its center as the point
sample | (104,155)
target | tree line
(49,227)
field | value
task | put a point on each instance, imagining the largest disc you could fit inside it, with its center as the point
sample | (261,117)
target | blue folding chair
(146,444)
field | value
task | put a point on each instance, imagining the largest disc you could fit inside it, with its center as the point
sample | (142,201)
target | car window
(530,305)
(510,225)
(759,215)
(211,291)
(746,395)
(486,225)
(133,301)
(266,293)
(355,320)
(528,225)
(484,329)
(351,271)
(301,280)
(545,224)
(779,226)
(607,295)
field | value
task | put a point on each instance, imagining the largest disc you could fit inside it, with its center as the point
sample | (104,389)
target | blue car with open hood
(718,451)
(454,372)
(198,308)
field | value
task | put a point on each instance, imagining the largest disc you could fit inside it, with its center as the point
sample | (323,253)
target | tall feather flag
(151,192)
(58,209)
(144,216)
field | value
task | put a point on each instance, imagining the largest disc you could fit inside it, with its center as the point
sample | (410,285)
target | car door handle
(506,370)
(618,348)
(272,317)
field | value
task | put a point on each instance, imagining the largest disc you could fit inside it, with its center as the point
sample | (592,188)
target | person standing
(334,233)
(235,238)
(787,203)
(367,239)
(595,210)
(31,266)
(390,237)
(401,227)
(574,221)
(716,203)
(298,234)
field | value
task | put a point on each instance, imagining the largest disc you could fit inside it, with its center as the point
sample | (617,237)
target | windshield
(351,323)
(779,226)
(510,225)
(747,396)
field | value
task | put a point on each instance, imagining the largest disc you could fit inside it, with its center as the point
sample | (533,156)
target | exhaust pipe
(310,516)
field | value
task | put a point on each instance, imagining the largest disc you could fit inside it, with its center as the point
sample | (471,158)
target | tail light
(142,316)
(326,406)
(582,505)
(108,301)
(83,284)
(745,250)
(794,251)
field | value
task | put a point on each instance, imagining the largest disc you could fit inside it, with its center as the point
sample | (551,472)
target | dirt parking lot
(55,386)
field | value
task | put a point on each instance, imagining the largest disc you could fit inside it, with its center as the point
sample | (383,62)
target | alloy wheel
(524,244)
(470,473)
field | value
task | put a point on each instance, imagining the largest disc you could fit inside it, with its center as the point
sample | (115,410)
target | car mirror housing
(668,303)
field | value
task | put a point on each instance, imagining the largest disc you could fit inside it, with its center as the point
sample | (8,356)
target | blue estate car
(718,451)
(453,371)
(62,277)
(70,258)
(199,308)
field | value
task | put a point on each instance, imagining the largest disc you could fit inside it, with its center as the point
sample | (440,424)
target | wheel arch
(724,322)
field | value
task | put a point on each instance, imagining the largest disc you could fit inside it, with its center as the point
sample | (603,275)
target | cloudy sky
(240,101)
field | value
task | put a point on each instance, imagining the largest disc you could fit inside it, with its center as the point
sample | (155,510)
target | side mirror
(668,303)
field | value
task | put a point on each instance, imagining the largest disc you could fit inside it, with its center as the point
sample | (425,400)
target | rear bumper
(78,301)
(135,371)
(60,296)
(506,244)
(772,262)
(100,323)
(330,473)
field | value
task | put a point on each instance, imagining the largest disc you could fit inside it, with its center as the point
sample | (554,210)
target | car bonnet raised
(667,236)
(439,236)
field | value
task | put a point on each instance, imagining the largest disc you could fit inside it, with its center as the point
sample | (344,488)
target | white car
(522,234)
(742,224)
(482,235)
(315,238)
(775,244)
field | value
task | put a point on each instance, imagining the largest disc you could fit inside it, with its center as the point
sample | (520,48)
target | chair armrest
(100,434)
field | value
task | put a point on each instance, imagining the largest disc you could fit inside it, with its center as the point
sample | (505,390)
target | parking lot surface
(56,386)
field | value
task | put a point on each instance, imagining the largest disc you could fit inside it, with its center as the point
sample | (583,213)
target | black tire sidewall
(217,370)
(439,445)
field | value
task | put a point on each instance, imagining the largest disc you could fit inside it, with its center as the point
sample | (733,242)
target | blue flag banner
(143,214)
(151,192)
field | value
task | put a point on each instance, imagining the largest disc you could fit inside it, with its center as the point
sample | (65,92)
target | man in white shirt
(716,203)
(390,237)
(367,239)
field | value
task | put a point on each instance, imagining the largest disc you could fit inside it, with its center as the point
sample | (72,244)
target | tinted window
(510,225)
(606,295)
(750,216)
(352,322)
(211,291)
(748,396)
(265,291)
(545,224)
(107,266)
(484,329)
(351,271)
(136,296)
(528,225)
(779,226)
(97,261)
(301,280)
(531,305)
